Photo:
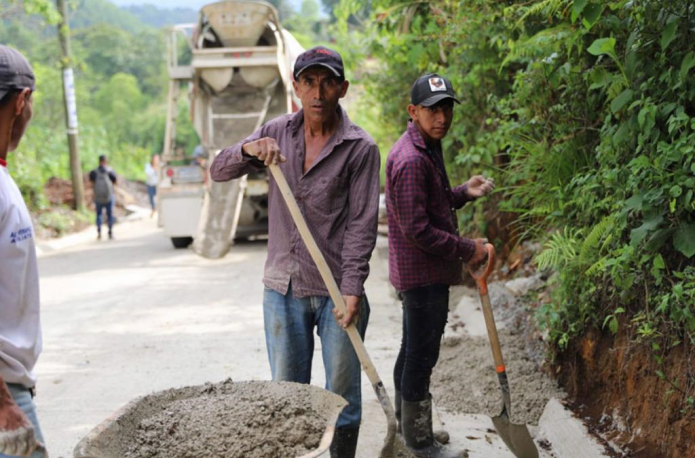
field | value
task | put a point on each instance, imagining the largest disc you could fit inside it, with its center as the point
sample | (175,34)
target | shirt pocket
(330,193)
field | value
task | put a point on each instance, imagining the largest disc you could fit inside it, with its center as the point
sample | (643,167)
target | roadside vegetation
(584,112)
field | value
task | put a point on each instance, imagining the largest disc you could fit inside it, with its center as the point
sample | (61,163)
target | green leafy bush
(585,112)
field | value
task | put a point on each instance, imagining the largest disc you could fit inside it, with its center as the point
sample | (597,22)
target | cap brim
(3,91)
(428,102)
(335,72)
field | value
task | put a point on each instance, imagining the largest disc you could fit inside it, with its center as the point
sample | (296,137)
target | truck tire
(181,242)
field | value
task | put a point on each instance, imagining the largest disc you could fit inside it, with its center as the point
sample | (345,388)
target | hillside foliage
(584,111)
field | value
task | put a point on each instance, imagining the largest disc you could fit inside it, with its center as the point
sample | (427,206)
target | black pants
(425,312)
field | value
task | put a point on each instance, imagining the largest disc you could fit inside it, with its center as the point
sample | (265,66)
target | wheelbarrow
(115,436)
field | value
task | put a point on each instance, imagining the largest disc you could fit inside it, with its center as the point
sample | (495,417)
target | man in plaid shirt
(426,254)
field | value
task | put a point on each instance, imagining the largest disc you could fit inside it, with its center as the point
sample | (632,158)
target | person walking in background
(20,325)
(426,253)
(152,172)
(103,179)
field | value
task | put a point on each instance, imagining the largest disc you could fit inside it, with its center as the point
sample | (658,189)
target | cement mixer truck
(236,69)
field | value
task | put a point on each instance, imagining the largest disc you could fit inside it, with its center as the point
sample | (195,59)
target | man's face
(434,121)
(23,110)
(320,91)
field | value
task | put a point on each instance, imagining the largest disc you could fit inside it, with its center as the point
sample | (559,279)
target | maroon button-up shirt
(338,196)
(424,245)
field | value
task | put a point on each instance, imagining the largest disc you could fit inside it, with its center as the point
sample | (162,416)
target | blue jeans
(151,192)
(109,214)
(22,397)
(289,335)
(425,312)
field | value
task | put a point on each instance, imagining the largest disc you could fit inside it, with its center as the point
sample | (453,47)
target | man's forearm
(461,196)
(231,164)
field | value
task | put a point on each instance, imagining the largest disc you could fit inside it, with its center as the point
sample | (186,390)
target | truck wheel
(181,242)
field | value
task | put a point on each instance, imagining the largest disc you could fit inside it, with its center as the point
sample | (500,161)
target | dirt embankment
(58,218)
(59,192)
(614,382)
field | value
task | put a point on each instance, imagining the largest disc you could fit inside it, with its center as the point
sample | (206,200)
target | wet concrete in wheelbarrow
(234,420)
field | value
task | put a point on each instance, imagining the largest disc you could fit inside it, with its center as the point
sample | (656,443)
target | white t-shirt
(151,173)
(20,325)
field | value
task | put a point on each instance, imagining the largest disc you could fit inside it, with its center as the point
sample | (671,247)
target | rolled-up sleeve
(230,163)
(409,198)
(361,231)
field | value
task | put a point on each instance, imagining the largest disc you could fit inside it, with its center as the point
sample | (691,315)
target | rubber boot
(344,442)
(417,431)
(440,435)
(397,408)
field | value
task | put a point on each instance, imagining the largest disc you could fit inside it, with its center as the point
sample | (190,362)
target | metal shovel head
(115,435)
(516,437)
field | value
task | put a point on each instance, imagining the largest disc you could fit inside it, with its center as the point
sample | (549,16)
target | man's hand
(16,431)
(479,186)
(479,256)
(265,149)
(353,311)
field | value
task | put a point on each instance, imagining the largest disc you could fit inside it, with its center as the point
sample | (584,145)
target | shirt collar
(3,162)
(417,139)
(346,130)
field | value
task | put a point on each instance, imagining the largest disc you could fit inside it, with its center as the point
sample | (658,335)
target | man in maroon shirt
(332,167)
(426,254)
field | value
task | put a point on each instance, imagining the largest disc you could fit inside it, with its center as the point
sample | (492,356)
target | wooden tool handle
(481,281)
(324,270)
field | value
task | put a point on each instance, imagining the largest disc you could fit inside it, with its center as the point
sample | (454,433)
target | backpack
(103,188)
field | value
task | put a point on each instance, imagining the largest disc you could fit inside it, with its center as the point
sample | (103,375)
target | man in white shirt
(20,326)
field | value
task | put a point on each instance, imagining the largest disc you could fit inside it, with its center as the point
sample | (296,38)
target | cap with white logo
(431,89)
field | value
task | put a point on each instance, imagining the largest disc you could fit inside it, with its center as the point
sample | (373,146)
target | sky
(195,4)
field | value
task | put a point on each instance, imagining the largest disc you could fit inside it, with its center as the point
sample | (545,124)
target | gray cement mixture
(234,420)
(464,380)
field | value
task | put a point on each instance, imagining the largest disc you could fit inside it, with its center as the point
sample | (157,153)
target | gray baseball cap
(15,71)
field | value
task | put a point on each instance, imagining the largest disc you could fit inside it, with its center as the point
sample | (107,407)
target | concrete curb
(566,433)
(46,247)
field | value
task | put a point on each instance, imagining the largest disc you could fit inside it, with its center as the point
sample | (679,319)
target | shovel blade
(516,437)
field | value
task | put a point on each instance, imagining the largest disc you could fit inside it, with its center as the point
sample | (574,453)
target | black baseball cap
(320,55)
(431,89)
(15,71)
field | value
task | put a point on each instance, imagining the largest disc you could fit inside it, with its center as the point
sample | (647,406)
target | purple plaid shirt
(338,196)
(424,245)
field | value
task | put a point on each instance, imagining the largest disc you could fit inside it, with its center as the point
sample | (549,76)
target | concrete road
(127,317)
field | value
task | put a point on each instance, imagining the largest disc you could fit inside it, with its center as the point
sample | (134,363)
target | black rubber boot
(417,432)
(397,408)
(344,442)
(440,435)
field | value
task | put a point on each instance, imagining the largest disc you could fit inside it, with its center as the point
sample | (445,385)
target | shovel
(387,450)
(516,437)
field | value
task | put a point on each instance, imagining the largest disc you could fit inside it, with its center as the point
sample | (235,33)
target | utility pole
(70,105)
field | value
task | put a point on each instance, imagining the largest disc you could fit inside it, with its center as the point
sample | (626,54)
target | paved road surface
(127,317)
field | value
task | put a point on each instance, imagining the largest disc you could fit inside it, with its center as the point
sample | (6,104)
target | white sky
(195,4)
